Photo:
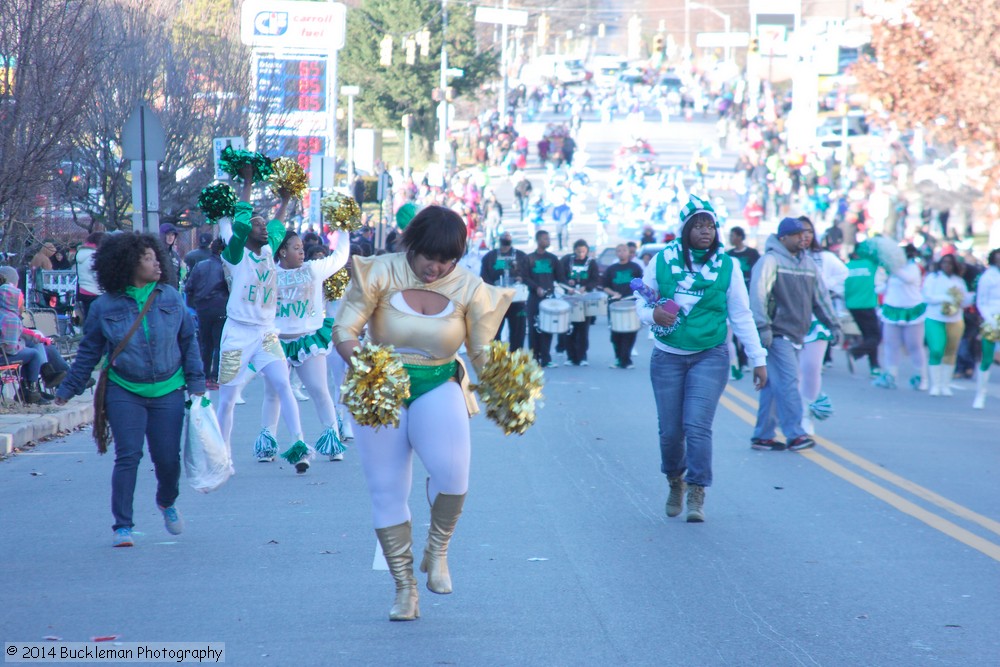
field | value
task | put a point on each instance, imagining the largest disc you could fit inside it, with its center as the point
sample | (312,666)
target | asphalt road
(879,547)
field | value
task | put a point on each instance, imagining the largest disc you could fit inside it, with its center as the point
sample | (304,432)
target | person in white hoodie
(988,304)
(945,294)
(833,274)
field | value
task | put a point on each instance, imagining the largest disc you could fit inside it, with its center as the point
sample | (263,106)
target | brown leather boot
(696,504)
(444,515)
(397,543)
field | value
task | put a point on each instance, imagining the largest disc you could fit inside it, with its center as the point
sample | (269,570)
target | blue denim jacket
(172,342)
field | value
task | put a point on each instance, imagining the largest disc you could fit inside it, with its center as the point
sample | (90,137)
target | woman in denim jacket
(145,390)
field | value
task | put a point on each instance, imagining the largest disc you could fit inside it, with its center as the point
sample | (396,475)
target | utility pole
(443,106)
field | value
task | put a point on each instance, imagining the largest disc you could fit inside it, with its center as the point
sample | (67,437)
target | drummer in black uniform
(507,267)
(544,271)
(616,283)
(580,273)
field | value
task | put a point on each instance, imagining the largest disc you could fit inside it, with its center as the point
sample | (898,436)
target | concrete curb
(44,426)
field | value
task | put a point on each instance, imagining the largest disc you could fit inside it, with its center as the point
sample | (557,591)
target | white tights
(436,427)
(811,369)
(312,372)
(896,337)
(276,381)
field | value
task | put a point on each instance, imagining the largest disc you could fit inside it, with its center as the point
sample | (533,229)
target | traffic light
(385,51)
(658,43)
(754,46)
(424,42)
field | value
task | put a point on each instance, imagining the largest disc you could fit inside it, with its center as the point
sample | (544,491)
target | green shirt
(147,389)
(859,288)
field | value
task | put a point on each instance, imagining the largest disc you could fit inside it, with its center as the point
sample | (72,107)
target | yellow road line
(941,524)
(901,482)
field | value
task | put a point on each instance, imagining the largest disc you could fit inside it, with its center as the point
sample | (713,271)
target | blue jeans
(779,399)
(133,420)
(687,388)
(31,359)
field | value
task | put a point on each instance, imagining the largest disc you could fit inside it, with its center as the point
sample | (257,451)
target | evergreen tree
(389,92)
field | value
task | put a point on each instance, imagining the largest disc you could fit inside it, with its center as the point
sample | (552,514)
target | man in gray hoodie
(786,291)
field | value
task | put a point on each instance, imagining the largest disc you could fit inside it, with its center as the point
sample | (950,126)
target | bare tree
(47,51)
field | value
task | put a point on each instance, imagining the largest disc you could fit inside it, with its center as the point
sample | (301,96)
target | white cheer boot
(982,385)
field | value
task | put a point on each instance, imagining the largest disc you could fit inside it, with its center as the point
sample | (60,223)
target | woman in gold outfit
(425,305)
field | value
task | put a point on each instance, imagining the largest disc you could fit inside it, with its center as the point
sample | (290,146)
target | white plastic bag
(206,458)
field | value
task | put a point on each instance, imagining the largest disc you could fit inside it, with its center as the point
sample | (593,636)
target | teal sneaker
(123,538)
(885,381)
(172,519)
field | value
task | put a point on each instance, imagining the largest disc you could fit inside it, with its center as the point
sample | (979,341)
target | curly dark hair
(118,256)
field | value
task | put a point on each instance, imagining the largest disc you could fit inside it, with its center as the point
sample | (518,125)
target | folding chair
(10,374)
(46,322)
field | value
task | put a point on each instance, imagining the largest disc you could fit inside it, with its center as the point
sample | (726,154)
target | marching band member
(506,267)
(580,272)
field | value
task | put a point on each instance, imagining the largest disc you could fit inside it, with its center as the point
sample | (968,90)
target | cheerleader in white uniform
(988,304)
(833,273)
(305,333)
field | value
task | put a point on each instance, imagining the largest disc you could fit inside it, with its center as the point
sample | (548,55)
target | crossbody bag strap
(135,327)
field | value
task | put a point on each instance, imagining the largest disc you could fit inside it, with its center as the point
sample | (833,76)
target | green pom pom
(296,452)
(232,160)
(329,443)
(217,201)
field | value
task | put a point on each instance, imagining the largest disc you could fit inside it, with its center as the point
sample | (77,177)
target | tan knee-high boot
(397,543)
(444,515)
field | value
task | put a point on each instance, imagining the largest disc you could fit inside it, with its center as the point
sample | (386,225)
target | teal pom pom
(217,201)
(232,160)
(329,444)
(265,445)
(296,452)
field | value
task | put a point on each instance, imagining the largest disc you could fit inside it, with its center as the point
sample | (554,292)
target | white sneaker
(239,398)
(299,394)
(584,363)
(337,457)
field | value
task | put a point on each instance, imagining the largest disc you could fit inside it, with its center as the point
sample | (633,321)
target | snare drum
(553,316)
(623,317)
(578,311)
(595,303)
(520,292)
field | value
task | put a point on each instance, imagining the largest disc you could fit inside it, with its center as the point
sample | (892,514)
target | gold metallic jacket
(478,312)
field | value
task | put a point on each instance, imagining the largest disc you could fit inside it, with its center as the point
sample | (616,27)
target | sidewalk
(18,429)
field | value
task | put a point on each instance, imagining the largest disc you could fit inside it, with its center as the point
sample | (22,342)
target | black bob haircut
(437,233)
(118,256)
(992,256)
(701,216)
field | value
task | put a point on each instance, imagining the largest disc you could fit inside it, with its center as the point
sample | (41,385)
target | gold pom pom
(341,212)
(953,307)
(335,286)
(376,386)
(289,176)
(510,385)
(991,330)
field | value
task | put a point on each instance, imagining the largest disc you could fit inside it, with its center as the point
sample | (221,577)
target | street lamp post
(443,106)
(726,21)
(350,91)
